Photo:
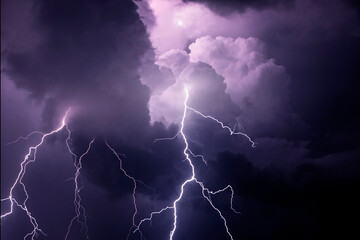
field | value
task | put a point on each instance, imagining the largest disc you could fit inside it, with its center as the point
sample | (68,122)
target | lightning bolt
(26,137)
(206,193)
(133,192)
(19,180)
(232,132)
(77,198)
(30,157)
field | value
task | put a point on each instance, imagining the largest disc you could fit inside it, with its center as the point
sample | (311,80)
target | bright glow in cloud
(255,83)
(177,23)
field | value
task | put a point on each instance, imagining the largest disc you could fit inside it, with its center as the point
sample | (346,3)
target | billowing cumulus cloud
(206,90)
(256,85)
(174,59)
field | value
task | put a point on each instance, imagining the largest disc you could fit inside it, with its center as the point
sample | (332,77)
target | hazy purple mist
(285,72)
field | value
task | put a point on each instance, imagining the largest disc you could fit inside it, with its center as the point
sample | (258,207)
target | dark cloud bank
(87,54)
(228,6)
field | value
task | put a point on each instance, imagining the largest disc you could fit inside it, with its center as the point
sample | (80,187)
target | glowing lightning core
(205,191)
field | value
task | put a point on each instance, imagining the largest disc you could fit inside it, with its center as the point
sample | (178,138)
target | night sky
(281,73)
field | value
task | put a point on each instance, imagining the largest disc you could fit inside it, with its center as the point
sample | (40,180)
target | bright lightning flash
(206,193)
(30,157)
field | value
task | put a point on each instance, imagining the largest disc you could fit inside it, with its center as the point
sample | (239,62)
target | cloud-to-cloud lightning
(206,193)
(30,157)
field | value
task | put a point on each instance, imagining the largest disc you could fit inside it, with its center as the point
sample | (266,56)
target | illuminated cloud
(258,86)
(255,83)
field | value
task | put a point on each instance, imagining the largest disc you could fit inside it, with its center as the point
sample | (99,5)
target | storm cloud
(283,72)
(87,58)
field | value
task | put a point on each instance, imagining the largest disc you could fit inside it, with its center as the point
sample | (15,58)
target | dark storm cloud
(309,202)
(87,58)
(227,6)
(87,54)
(164,159)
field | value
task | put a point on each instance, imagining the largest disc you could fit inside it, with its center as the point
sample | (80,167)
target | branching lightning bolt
(134,182)
(231,131)
(30,157)
(77,198)
(168,138)
(134,189)
(26,137)
(206,193)
(19,180)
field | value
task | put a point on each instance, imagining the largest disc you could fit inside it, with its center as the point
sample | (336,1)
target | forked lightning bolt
(134,226)
(132,179)
(25,138)
(19,178)
(206,193)
(30,157)
(79,209)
